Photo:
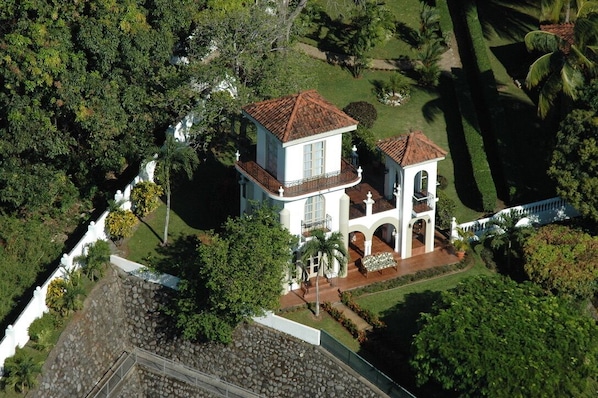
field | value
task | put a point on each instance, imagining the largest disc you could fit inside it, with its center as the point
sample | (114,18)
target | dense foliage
(145,197)
(84,87)
(563,260)
(237,275)
(362,111)
(575,162)
(492,337)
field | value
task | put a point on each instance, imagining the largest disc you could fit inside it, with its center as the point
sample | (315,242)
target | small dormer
(299,140)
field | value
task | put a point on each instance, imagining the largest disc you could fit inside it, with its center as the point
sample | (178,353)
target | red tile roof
(565,31)
(410,149)
(298,116)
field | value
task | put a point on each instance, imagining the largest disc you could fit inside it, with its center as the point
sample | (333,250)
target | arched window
(421,182)
(314,209)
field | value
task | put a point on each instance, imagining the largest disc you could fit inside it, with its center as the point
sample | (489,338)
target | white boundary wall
(295,329)
(537,213)
(17,334)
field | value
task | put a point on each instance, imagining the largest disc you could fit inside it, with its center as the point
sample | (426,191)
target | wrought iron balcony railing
(323,225)
(347,175)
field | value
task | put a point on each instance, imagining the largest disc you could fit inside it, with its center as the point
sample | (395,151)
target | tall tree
(574,164)
(563,261)
(328,249)
(492,337)
(564,66)
(371,24)
(238,275)
(173,157)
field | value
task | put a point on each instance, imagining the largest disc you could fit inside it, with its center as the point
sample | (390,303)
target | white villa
(299,168)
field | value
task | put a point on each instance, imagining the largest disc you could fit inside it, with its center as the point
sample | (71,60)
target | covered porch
(441,255)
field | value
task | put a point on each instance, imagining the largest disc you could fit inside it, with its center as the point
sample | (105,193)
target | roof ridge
(289,126)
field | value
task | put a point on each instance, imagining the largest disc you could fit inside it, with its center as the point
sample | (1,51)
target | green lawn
(333,327)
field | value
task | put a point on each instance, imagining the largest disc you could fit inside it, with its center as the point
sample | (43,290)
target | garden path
(449,59)
(357,320)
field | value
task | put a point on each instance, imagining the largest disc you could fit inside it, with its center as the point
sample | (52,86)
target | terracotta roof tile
(565,31)
(298,116)
(410,149)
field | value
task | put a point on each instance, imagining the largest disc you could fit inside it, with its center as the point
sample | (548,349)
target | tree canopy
(574,165)
(563,260)
(238,275)
(490,336)
(84,87)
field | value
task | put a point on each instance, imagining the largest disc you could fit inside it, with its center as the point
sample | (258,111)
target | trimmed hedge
(475,145)
(446,23)
(410,278)
(485,81)
(348,324)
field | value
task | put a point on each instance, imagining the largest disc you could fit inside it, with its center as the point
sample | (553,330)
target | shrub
(21,371)
(120,223)
(146,197)
(96,259)
(41,330)
(445,210)
(362,111)
(396,91)
(343,320)
(56,290)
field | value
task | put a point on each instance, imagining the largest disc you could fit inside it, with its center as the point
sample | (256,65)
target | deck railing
(259,175)
(538,213)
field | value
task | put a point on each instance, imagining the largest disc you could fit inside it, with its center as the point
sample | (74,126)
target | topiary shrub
(146,197)
(362,111)
(120,223)
(445,210)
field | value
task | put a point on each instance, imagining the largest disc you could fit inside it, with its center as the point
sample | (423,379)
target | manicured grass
(333,327)
(381,302)
(198,205)
(428,110)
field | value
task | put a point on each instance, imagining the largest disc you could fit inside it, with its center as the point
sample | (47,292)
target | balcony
(322,225)
(423,201)
(254,172)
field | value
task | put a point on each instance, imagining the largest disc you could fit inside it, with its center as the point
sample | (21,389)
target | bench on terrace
(378,262)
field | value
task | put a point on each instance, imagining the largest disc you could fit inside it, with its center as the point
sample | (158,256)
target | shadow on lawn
(206,201)
(390,349)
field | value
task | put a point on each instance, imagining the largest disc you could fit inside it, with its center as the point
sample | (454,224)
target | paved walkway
(449,59)
(357,320)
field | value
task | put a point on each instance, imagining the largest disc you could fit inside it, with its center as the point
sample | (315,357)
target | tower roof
(298,116)
(410,149)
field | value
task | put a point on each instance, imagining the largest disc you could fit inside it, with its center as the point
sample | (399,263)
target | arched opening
(418,237)
(420,183)
(356,246)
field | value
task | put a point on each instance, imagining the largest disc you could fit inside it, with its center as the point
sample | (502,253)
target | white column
(344,224)
(367,247)
(10,338)
(396,235)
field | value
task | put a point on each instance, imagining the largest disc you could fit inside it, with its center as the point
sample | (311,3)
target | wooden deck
(329,289)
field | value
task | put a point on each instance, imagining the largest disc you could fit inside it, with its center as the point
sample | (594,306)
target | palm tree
(327,248)
(20,371)
(506,233)
(565,65)
(174,156)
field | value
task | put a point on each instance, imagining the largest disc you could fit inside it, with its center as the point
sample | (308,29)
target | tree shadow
(179,257)
(506,19)
(390,349)
(516,60)
(407,34)
(209,198)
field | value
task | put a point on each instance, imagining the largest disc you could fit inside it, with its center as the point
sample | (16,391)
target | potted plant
(462,243)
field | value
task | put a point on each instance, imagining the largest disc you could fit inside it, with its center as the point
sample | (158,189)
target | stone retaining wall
(123,312)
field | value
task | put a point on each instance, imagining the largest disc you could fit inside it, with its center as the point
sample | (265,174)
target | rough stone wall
(123,312)
(90,344)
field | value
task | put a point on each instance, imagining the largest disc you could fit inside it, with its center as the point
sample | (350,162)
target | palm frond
(572,79)
(550,90)
(539,40)
(539,70)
